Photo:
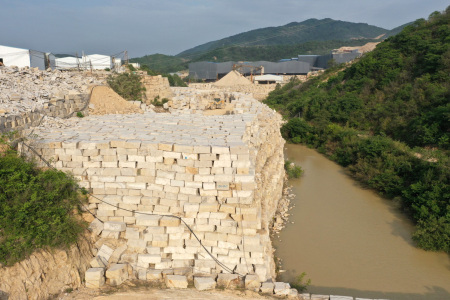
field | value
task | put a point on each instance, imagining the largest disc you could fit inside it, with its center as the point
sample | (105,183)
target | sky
(171,26)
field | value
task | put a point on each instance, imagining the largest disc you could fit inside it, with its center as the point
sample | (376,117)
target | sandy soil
(135,291)
(106,101)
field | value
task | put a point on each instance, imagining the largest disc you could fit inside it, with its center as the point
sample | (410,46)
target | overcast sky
(171,26)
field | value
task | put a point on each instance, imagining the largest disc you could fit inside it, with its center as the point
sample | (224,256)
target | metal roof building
(212,71)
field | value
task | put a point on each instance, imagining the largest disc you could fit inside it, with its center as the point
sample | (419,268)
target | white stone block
(204,283)
(115,226)
(117,274)
(147,220)
(105,253)
(282,288)
(252,282)
(176,282)
(95,277)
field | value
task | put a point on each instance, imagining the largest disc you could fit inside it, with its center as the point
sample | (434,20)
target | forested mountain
(294,33)
(162,63)
(275,52)
(387,119)
(273,43)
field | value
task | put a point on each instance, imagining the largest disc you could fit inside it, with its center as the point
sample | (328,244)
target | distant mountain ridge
(294,33)
(312,36)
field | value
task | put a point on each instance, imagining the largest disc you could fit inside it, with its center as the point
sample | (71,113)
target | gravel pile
(29,89)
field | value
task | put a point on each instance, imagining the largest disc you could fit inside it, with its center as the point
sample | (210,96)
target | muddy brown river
(352,242)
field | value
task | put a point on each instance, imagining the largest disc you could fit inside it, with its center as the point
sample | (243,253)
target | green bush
(158,103)
(37,208)
(292,170)
(127,85)
(80,114)
(300,284)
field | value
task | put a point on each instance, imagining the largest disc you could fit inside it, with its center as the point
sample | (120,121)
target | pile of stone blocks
(156,86)
(192,100)
(220,175)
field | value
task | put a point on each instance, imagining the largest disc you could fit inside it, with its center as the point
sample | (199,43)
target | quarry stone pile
(192,100)
(156,86)
(29,89)
(152,175)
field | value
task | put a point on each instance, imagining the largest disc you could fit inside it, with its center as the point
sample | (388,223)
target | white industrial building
(268,78)
(89,62)
(19,57)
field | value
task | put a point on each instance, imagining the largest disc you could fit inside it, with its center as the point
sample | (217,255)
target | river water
(352,242)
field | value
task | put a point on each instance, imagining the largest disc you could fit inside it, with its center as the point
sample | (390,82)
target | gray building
(212,71)
(319,62)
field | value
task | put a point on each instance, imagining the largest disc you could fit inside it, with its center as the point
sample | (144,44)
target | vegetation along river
(352,242)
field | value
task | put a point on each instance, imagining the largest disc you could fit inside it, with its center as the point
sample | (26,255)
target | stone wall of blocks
(227,193)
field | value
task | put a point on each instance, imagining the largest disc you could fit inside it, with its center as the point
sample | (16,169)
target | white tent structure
(65,63)
(89,62)
(97,62)
(11,56)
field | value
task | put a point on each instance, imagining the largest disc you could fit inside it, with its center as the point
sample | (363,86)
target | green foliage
(174,80)
(80,114)
(292,170)
(127,85)
(36,209)
(274,52)
(162,63)
(292,34)
(369,116)
(158,103)
(300,284)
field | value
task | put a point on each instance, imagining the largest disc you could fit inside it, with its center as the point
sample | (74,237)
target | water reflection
(351,242)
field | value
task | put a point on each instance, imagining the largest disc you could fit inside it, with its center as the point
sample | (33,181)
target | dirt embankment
(46,273)
(105,101)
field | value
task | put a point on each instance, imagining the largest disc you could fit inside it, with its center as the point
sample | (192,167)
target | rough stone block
(95,277)
(147,220)
(132,233)
(117,274)
(204,283)
(96,227)
(153,275)
(282,288)
(169,222)
(97,262)
(176,282)
(267,288)
(115,257)
(252,282)
(228,280)
(105,253)
(335,297)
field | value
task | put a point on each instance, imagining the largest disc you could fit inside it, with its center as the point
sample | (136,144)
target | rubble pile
(30,89)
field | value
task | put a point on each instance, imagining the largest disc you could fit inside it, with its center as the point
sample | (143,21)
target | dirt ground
(106,101)
(135,291)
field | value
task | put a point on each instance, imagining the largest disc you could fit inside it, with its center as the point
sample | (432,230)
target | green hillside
(387,119)
(273,43)
(294,33)
(275,52)
(162,63)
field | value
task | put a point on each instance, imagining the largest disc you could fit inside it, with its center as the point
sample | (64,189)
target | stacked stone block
(156,86)
(61,108)
(148,172)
